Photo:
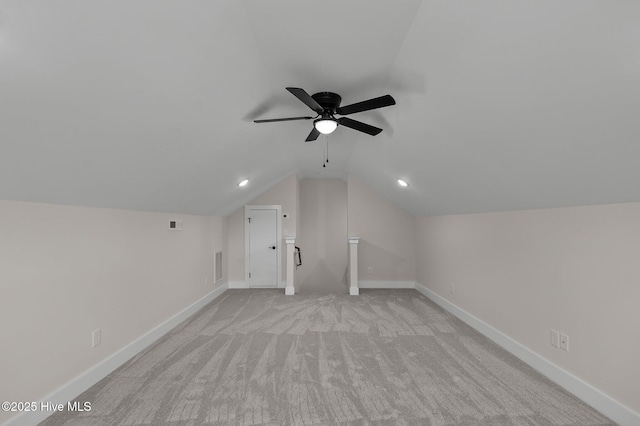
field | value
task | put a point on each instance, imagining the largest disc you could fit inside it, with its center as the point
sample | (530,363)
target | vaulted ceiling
(149,104)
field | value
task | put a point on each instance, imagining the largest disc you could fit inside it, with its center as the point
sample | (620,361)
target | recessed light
(402,183)
(244,182)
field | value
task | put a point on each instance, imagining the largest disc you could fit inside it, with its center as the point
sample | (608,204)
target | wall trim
(244,284)
(99,371)
(386,284)
(602,402)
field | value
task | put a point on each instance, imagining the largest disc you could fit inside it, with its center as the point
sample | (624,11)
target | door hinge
(249,274)
(249,219)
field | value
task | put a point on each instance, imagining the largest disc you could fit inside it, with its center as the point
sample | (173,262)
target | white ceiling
(149,104)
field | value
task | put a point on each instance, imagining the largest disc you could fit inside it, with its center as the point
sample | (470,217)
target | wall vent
(175,225)
(218,267)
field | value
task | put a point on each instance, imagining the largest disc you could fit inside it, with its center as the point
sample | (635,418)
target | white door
(263,246)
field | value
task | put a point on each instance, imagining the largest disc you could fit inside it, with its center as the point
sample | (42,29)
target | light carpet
(386,357)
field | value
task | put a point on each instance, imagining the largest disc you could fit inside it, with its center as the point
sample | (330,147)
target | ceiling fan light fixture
(325,125)
(326,105)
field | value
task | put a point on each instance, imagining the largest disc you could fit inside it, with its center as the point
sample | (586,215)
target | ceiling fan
(327,105)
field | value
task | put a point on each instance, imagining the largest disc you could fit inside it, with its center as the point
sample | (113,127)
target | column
(353,266)
(291,265)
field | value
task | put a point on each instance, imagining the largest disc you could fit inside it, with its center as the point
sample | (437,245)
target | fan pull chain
(326,153)
(326,139)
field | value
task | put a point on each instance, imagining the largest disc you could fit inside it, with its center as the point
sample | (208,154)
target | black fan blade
(271,120)
(359,125)
(313,135)
(306,98)
(382,101)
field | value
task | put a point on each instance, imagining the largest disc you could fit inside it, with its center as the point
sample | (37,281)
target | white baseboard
(289,291)
(244,284)
(386,284)
(602,402)
(92,376)
(354,291)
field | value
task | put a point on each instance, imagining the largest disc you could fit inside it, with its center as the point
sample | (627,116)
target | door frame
(247,252)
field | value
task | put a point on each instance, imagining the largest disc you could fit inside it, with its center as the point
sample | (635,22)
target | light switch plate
(96,337)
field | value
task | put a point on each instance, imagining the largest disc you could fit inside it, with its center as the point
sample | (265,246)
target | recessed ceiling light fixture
(402,183)
(244,182)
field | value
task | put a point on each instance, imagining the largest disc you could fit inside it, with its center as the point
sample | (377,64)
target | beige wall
(65,271)
(387,235)
(323,236)
(285,194)
(575,270)
(235,245)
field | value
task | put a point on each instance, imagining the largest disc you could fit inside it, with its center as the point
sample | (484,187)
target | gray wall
(323,236)
(66,271)
(386,251)
(575,270)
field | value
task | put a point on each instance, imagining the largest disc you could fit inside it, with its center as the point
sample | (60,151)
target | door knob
(272,247)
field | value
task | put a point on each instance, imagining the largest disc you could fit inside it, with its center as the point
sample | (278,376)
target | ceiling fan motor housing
(328,100)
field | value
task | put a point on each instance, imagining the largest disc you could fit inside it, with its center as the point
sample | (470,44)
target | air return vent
(175,225)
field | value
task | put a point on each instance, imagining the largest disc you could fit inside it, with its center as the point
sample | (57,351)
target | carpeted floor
(386,357)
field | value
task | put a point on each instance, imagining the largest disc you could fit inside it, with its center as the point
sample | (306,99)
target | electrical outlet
(564,342)
(555,338)
(96,337)
(452,289)
(370,270)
